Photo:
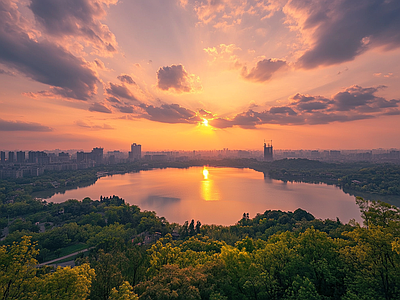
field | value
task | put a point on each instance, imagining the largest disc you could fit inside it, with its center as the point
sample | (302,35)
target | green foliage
(125,292)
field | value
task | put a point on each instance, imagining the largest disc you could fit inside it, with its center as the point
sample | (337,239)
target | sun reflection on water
(208,191)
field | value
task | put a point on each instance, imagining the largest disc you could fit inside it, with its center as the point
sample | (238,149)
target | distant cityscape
(19,164)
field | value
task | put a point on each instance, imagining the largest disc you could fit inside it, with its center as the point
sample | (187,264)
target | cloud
(340,30)
(120,91)
(264,70)
(99,107)
(22,126)
(42,61)
(353,103)
(6,72)
(227,13)
(170,113)
(225,55)
(126,79)
(113,100)
(76,19)
(83,124)
(177,79)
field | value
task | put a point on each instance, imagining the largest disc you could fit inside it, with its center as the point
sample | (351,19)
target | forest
(134,254)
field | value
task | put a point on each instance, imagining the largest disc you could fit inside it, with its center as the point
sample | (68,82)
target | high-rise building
(21,157)
(136,152)
(268,152)
(3,157)
(97,155)
(11,156)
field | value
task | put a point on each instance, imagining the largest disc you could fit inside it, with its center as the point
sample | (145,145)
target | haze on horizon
(205,74)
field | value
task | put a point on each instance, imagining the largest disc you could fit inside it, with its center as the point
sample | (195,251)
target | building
(11,156)
(21,157)
(97,155)
(268,152)
(3,157)
(38,157)
(136,152)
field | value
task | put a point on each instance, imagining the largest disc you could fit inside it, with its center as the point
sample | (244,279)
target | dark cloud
(6,72)
(120,91)
(113,100)
(264,70)
(99,108)
(176,78)
(22,126)
(205,114)
(75,18)
(360,98)
(283,110)
(42,61)
(127,109)
(343,29)
(170,113)
(354,103)
(127,79)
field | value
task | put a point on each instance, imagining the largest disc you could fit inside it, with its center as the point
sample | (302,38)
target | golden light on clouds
(191,74)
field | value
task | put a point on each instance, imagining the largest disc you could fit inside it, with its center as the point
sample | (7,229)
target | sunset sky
(204,74)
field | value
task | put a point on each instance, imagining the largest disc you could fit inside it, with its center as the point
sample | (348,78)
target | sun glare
(205,173)
(205,122)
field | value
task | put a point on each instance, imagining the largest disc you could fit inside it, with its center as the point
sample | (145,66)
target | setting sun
(205,122)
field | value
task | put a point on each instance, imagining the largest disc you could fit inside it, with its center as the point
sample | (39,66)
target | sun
(205,122)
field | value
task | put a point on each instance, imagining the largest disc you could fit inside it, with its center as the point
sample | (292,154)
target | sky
(197,75)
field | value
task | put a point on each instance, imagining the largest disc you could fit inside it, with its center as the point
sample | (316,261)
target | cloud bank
(77,19)
(42,61)
(354,103)
(339,30)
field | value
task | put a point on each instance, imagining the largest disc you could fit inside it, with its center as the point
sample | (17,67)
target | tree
(64,284)
(17,269)
(191,228)
(198,226)
(125,292)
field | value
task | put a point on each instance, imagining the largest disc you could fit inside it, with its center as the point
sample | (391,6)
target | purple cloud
(264,70)
(43,61)
(99,107)
(126,79)
(120,91)
(22,126)
(340,30)
(354,103)
(76,18)
(176,78)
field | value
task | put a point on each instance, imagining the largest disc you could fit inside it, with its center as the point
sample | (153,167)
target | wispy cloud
(22,126)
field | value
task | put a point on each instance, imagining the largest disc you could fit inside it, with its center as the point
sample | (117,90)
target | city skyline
(199,75)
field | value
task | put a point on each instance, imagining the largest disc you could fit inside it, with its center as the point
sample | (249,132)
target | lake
(217,195)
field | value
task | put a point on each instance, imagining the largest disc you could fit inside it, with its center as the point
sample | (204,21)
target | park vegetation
(135,254)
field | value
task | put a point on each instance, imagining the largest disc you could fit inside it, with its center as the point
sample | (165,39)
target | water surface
(217,195)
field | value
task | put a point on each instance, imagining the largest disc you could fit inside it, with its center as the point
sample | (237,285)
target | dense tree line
(275,255)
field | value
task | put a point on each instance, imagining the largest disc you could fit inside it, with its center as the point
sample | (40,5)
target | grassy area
(66,251)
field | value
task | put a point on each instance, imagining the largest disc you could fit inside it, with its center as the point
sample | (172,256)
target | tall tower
(136,152)
(268,152)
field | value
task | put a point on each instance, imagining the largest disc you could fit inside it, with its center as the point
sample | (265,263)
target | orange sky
(106,73)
